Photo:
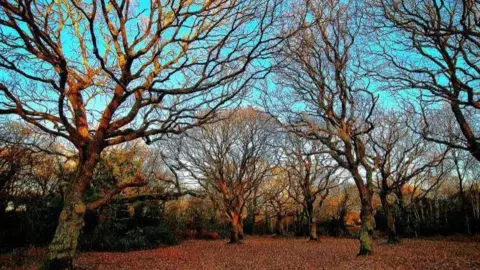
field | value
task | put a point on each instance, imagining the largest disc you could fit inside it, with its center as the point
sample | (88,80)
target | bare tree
(401,155)
(16,158)
(413,195)
(278,200)
(29,162)
(430,49)
(311,174)
(230,159)
(325,98)
(99,73)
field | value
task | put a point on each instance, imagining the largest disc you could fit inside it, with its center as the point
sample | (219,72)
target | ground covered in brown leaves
(275,253)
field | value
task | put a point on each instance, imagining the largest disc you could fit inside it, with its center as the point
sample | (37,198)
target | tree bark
(63,247)
(278,227)
(391,230)
(366,214)
(313,229)
(234,238)
(312,222)
(368,225)
(463,201)
(241,235)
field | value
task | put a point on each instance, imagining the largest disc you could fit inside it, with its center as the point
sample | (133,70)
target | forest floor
(280,253)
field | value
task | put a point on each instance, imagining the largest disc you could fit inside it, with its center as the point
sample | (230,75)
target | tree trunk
(463,201)
(391,230)
(300,224)
(368,224)
(62,249)
(475,199)
(404,215)
(64,244)
(234,238)
(250,223)
(278,227)
(268,228)
(241,235)
(312,222)
(252,213)
(366,215)
(313,229)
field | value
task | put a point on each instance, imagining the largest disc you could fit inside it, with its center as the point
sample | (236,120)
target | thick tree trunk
(62,249)
(64,244)
(234,238)
(366,215)
(391,230)
(368,225)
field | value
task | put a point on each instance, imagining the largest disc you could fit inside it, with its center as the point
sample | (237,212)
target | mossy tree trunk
(367,228)
(366,214)
(63,247)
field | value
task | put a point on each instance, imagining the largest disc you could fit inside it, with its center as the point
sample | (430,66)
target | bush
(117,230)
(336,227)
(33,227)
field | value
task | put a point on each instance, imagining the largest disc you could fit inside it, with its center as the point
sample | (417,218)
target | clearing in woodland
(282,253)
